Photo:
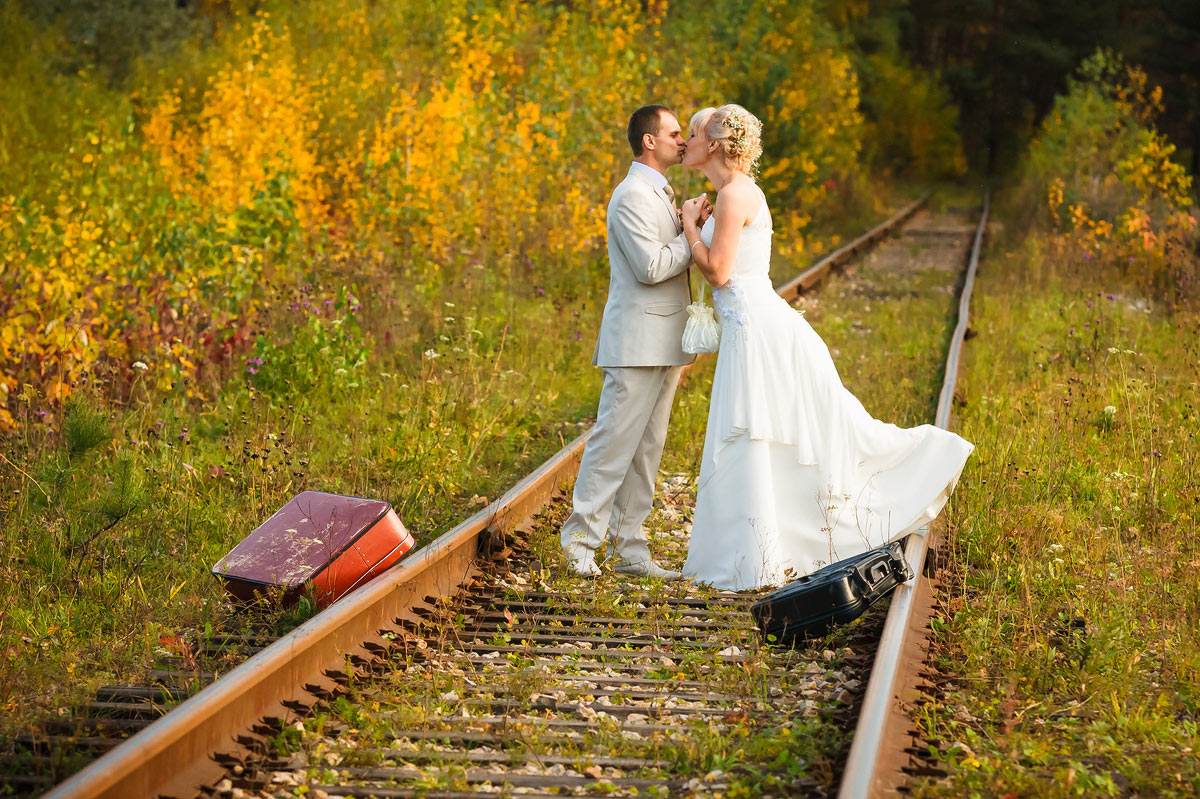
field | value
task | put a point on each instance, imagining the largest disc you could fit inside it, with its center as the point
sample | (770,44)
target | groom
(640,352)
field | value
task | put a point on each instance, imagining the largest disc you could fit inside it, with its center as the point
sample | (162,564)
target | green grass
(1070,618)
(110,528)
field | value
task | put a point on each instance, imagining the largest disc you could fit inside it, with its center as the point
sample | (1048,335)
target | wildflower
(432,353)
(1109,297)
(540,291)
(1071,331)
(183,436)
(1113,350)
(339,371)
(1087,256)
(1110,410)
(140,366)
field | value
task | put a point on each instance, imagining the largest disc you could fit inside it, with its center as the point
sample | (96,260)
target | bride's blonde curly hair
(736,130)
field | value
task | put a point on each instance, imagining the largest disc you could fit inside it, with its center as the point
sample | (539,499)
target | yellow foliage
(425,138)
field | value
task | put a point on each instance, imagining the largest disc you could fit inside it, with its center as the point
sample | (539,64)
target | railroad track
(468,631)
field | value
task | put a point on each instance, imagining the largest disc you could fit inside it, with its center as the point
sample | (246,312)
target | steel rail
(815,273)
(861,777)
(173,755)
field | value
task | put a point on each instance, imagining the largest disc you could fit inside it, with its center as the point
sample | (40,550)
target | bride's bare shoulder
(740,194)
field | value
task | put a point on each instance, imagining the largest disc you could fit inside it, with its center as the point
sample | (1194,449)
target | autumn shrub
(1103,178)
(912,125)
(146,222)
(793,72)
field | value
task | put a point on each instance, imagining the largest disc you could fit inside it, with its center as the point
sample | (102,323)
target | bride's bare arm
(735,203)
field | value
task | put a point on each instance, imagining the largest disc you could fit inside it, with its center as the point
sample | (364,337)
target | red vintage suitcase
(332,542)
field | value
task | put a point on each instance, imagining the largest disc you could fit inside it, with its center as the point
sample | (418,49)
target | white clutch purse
(702,333)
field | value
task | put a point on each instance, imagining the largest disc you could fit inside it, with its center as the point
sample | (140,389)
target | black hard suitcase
(838,593)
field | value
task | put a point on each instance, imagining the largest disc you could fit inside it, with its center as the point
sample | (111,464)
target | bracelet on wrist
(694,243)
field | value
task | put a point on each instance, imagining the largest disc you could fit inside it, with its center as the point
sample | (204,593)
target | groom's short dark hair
(646,119)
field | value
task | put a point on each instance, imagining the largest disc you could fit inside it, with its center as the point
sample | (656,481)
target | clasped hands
(696,211)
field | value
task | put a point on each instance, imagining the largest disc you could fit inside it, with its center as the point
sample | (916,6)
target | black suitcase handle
(876,572)
(873,573)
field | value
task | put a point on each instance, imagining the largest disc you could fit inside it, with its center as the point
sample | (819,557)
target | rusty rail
(898,656)
(174,755)
(815,273)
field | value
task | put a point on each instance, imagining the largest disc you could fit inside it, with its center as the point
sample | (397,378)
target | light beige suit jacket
(648,286)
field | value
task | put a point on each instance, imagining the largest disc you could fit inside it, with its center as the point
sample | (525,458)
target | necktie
(667,190)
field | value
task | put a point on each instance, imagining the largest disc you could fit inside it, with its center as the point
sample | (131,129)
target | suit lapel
(667,202)
(662,195)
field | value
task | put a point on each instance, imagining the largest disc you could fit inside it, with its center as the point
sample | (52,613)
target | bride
(795,473)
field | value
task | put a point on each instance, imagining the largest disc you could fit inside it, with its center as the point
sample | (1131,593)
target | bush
(1110,188)
(912,124)
(426,145)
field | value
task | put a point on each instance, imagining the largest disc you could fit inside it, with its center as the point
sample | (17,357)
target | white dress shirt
(657,179)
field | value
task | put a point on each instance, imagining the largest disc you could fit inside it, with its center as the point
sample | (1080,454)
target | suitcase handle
(873,573)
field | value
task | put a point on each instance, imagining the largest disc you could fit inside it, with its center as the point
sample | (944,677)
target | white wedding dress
(795,473)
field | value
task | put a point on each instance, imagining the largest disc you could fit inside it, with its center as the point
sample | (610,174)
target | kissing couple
(795,473)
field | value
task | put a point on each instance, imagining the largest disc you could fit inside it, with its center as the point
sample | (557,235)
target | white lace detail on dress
(729,301)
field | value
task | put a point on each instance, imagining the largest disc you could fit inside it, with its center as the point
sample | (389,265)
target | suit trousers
(615,488)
